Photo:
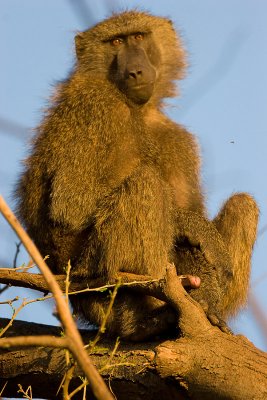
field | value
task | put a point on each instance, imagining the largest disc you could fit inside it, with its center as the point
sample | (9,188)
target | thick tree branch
(204,363)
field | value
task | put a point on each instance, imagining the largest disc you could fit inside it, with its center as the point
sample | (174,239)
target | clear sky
(223,101)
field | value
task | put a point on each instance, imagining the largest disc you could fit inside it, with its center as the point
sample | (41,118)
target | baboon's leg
(237,223)
(133,316)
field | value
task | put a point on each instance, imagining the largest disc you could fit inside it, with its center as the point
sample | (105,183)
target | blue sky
(223,102)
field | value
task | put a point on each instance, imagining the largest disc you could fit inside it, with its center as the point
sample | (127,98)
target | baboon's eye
(139,36)
(116,41)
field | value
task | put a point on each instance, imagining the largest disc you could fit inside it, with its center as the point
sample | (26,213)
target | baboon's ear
(79,44)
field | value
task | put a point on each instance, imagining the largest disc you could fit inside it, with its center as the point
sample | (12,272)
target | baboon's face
(138,53)
(133,69)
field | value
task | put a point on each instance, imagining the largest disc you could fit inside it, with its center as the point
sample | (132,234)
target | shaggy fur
(114,186)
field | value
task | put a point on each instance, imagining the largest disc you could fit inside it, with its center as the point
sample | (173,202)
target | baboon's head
(140,53)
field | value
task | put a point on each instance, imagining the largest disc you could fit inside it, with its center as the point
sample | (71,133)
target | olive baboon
(113,184)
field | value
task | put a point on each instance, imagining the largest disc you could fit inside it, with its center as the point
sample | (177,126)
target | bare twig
(3,388)
(27,394)
(67,378)
(10,301)
(17,310)
(94,342)
(79,388)
(21,268)
(104,368)
(16,254)
(102,327)
(69,374)
(115,348)
(67,282)
(74,340)
(14,265)
(3,289)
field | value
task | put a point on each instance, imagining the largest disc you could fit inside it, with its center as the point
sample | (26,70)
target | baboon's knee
(237,222)
(239,214)
(242,203)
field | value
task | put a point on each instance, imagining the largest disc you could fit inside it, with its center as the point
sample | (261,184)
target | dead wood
(204,363)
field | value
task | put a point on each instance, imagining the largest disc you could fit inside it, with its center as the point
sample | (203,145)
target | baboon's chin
(139,94)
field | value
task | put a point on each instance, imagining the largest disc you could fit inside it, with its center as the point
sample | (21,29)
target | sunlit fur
(114,186)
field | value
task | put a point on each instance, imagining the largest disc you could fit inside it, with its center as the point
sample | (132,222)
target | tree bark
(210,365)
(203,363)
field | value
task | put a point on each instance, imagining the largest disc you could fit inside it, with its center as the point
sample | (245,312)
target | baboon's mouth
(142,85)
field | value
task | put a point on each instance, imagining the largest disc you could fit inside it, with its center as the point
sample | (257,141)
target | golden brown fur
(114,186)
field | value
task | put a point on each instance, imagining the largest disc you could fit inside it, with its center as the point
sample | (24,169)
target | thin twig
(121,364)
(3,388)
(67,282)
(10,301)
(4,288)
(102,327)
(16,255)
(17,310)
(79,388)
(27,394)
(112,286)
(65,386)
(69,374)
(14,265)
(75,342)
(117,343)
(21,268)
(101,330)
(115,348)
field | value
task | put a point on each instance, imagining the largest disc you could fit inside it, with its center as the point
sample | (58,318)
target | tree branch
(204,363)
(37,281)
(75,343)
